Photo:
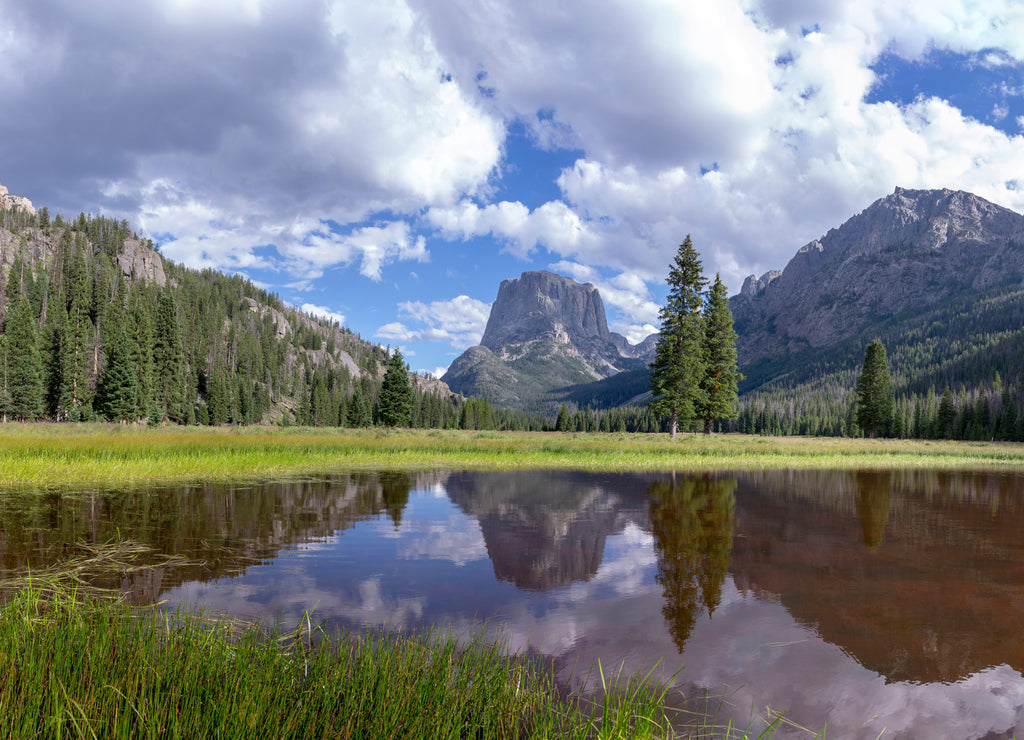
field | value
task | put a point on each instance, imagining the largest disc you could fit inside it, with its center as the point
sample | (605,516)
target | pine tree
(721,374)
(874,392)
(563,420)
(141,336)
(169,360)
(395,400)
(117,394)
(358,415)
(24,362)
(678,366)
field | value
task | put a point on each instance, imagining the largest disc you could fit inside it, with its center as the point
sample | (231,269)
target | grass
(69,456)
(78,665)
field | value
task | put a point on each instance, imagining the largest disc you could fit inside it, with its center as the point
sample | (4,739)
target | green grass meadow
(65,456)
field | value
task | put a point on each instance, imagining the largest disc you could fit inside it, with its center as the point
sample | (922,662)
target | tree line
(81,339)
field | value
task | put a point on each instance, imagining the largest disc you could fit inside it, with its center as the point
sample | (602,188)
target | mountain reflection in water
(870,600)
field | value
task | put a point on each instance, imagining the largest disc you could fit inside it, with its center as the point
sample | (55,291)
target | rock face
(545,332)
(910,251)
(10,202)
(542,303)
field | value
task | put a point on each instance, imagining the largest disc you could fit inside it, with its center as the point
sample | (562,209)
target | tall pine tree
(24,362)
(721,374)
(874,392)
(169,360)
(395,399)
(678,366)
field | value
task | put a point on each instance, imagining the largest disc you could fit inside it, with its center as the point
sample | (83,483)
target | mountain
(905,255)
(215,348)
(546,336)
(937,276)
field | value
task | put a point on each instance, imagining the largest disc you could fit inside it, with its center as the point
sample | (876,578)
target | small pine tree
(395,400)
(169,360)
(117,394)
(358,415)
(563,422)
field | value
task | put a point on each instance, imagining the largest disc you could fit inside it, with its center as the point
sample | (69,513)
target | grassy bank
(81,667)
(41,455)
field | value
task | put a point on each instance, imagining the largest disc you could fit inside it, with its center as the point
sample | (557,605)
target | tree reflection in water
(692,519)
(873,489)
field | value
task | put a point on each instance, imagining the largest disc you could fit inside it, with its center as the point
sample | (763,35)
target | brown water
(884,602)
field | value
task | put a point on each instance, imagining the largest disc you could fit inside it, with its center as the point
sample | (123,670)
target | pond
(878,602)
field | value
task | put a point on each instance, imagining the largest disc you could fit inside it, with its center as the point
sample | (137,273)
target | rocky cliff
(906,253)
(545,332)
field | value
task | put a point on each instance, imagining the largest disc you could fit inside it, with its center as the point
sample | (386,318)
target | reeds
(100,455)
(79,667)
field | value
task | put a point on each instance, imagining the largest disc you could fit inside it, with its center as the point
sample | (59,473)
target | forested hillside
(957,373)
(96,325)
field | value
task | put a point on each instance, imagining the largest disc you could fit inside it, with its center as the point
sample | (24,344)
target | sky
(387,164)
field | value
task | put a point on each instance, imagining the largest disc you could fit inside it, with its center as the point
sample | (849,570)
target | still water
(878,602)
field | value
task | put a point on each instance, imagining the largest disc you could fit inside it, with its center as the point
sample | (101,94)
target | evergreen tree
(678,367)
(945,416)
(24,362)
(721,375)
(563,420)
(169,360)
(358,415)
(874,392)
(117,393)
(141,335)
(395,400)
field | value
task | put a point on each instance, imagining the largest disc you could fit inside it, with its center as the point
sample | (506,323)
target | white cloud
(272,116)
(460,322)
(553,225)
(323,312)
(650,94)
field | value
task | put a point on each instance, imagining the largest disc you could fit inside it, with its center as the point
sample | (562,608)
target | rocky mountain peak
(542,304)
(545,332)
(910,250)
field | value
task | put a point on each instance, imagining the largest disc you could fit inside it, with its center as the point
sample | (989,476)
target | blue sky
(389,163)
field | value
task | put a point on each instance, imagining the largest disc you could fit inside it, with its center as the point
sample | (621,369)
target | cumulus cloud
(553,225)
(459,322)
(675,144)
(323,312)
(275,112)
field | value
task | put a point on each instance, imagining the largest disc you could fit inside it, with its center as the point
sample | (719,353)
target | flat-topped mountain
(907,253)
(546,332)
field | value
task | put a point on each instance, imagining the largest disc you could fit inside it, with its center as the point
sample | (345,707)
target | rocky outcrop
(545,332)
(10,202)
(908,252)
(139,261)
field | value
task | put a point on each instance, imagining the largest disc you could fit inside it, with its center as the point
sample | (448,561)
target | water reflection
(692,519)
(221,530)
(873,489)
(869,600)
(545,529)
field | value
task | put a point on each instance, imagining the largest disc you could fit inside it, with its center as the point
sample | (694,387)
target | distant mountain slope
(546,335)
(937,275)
(905,255)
